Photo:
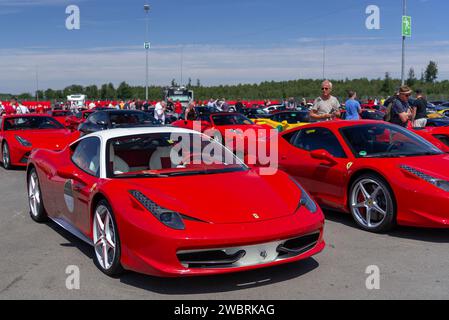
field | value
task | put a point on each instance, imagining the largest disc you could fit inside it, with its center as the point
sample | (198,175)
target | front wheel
(106,240)
(371,203)
(37,210)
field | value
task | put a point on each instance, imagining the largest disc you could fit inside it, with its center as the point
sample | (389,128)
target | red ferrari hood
(47,139)
(437,166)
(238,197)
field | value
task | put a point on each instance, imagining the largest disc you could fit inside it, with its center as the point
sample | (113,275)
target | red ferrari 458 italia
(20,134)
(381,173)
(168,201)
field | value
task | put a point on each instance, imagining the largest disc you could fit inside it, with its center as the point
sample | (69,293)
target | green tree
(49,94)
(411,80)
(431,73)
(124,91)
(387,85)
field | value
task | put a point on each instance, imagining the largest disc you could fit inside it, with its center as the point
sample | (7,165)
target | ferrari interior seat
(160,159)
(118,164)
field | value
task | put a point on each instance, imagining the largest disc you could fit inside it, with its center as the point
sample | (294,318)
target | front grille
(249,255)
(25,157)
(297,246)
(213,258)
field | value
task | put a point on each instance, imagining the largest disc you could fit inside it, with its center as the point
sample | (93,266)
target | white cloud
(212,64)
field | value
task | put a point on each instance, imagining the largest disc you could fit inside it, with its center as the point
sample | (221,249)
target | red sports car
(235,130)
(152,201)
(62,116)
(381,173)
(20,134)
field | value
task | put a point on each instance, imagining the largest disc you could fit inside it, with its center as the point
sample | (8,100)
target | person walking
(353,108)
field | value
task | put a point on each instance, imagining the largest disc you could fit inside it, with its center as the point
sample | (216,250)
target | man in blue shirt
(353,108)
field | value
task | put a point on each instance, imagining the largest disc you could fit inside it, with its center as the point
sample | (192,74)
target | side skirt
(74,231)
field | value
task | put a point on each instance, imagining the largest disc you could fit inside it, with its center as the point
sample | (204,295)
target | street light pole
(37,83)
(404,4)
(147,48)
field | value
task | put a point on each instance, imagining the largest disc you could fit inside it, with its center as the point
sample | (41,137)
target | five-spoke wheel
(106,240)
(371,203)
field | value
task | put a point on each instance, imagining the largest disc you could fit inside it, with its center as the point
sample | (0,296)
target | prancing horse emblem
(256,216)
(263,254)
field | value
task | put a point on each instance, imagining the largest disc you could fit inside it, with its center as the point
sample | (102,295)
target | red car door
(76,181)
(323,177)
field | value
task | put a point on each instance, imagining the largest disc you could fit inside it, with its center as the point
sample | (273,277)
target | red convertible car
(381,173)
(20,134)
(147,201)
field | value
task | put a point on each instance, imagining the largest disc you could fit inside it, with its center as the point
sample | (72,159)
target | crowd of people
(399,108)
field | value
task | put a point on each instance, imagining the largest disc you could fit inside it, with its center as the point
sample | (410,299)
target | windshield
(169,154)
(230,119)
(124,118)
(30,123)
(385,141)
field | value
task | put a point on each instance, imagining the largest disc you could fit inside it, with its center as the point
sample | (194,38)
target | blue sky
(223,42)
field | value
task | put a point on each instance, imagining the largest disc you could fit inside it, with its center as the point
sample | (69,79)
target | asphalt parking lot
(413,264)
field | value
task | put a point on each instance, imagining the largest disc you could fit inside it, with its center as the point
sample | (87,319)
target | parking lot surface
(413,264)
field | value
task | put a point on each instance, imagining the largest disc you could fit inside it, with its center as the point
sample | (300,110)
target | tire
(107,250)
(6,157)
(37,210)
(375,198)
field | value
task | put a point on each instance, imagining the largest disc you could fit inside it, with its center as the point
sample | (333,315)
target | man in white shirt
(159,111)
(326,106)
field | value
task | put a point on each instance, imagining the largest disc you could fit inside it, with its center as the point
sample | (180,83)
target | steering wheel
(395,145)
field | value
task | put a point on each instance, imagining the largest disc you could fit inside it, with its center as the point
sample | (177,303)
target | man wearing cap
(400,111)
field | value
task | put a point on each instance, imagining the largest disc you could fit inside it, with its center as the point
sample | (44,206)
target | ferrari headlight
(306,200)
(439,183)
(169,218)
(23,141)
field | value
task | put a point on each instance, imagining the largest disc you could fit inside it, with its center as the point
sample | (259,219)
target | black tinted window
(319,138)
(87,156)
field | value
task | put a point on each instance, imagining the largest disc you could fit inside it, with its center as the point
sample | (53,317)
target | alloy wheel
(34,194)
(104,237)
(369,203)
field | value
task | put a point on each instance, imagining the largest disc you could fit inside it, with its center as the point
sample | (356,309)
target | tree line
(300,88)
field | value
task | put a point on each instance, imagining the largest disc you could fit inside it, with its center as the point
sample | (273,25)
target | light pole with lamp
(146,7)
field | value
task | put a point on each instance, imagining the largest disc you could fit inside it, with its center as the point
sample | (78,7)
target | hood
(223,198)
(436,166)
(47,139)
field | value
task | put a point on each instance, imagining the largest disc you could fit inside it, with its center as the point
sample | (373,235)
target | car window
(384,140)
(31,123)
(319,138)
(86,156)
